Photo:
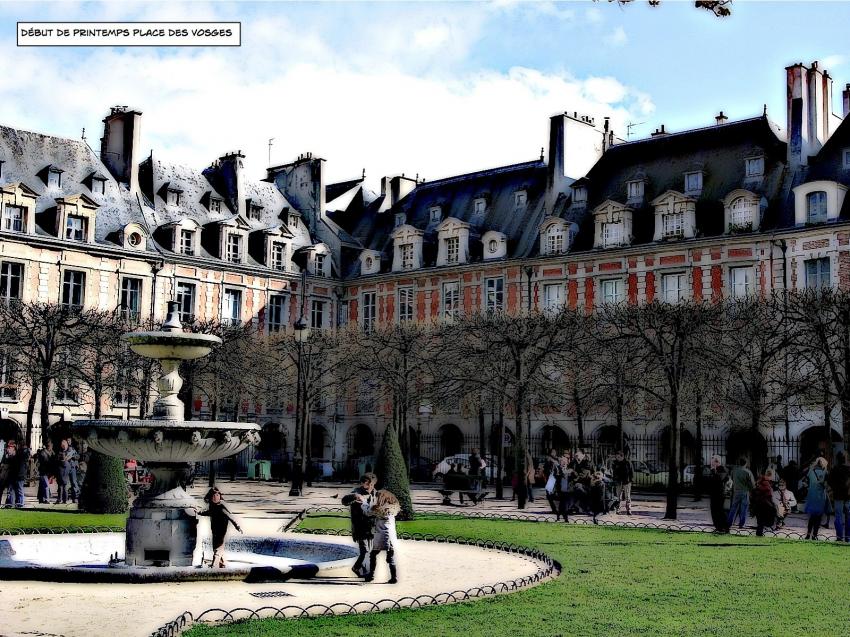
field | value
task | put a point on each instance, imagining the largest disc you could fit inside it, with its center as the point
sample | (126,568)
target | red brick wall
(844,270)
(588,294)
(633,289)
(736,253)
(672,259)
(352,311)
(420,306)
(697,277)
(435,300)
(572,293)
(650,286)
(389,309)
(716,283)
(814,245)
(513,297)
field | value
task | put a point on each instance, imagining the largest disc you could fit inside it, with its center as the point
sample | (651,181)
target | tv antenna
(630,126)
(271,143)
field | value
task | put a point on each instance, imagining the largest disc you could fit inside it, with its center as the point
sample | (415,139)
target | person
(384,507)
(742,483)
(762,502)
(83,459)
(784,501)
(597,495)
(73,464)
(361,524)
(461,481)
(552,471)
(45,458)
(839,482)
(562,487)
(220,517)
(717,480)
(816,497)
(63,473)
(297,476)
(475,463)
(581,462)
(529,477)
(5,465)
(17,459)
(623,474)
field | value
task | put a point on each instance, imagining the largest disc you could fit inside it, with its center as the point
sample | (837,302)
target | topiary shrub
(105,487)
(392,472)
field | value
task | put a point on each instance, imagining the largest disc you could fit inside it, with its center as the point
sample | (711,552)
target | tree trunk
(501,458)
(699,460)
(673,469)
(482,433)
(845,421)
(579,419)
(620,437)
(827,425)
(521,464)
(31,415)
(45,405)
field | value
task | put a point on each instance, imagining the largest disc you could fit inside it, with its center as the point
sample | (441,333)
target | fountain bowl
(163,345)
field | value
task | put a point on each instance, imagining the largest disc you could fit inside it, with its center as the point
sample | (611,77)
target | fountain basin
(85,557)
(164,345)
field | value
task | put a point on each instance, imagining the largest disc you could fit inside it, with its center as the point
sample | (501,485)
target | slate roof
(828,164)
(25,156)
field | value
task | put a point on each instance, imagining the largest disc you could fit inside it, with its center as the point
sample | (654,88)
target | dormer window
(845,158)
(754,167)
(75,228)
(254,212)
(54,178)
(14,218)
(134,239)
(98,186)
(480,206)
(612,235)
(816,207)
(580,194)
(400,218)
(742,214)
(673,224)
(452,249)
(369,262)
(634,189)
(406,256)
(187,242)
(493,246)
(435,213)
(520,199)
(172,197)
(215,205)
(555,240)
(278,256)
(320,264)
(693,182)
(234,248)
(292,221)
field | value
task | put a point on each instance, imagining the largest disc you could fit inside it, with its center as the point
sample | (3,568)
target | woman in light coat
(816,497)
(384,507)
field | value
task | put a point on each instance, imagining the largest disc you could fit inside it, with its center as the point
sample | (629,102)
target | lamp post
(302,445)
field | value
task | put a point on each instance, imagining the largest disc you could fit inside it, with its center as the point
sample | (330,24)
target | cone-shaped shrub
(392,472)
(105,487)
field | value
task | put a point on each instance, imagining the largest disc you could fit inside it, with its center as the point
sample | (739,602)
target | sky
(421,88)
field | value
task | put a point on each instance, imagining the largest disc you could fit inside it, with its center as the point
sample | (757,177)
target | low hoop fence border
(63,530)
(548,569)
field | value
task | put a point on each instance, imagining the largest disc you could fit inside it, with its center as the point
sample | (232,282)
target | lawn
(26,519)
(616,582)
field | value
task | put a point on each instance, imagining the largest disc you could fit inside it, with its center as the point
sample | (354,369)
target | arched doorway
(272,447)
(813,443)
(749,444)
(688,446)
(607,442)
(360,441)
(59,431)
(451,440)
(318,441)
(552,437)
(10,430)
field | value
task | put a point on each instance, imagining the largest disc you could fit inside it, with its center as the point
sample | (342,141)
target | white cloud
(617,37)
(594,16)
(833,61)
(431,37)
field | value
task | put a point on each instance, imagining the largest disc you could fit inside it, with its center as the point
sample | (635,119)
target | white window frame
(611,239)
(480,206)
(317,314)
(738,208)
(400,219)
(54,178)
(127,292)
(9,222)
(673,224)
(823,212)
(369,314)
(320,260)
(452,250)
(172,197)
(278,256)
(741,282)
(76,227)
(754,167)
(555,240)
(73,285)
(233,248)
(231,299)
(634,189)
(612,291)
(98,186)
(405,304)
(693,181)
(186,242)
(494,294)
(435,214)
(215,205)
(450,299)
(406,253)
(823,270)
(276,314)
(679,290)
(8,278)
(553,302)
(580,194)
(186,290)
(520,199)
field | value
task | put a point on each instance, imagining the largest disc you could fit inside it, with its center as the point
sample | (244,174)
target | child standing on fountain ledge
(219,516)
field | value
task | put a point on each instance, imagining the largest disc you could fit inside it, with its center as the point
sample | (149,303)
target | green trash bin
(252,469)
(264,470)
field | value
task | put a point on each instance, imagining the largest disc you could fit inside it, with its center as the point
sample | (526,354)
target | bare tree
(720,8)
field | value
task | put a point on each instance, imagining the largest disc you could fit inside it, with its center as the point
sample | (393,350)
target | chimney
(659,132)
(720,118)
(120,144)
(575,145)
(232,180)
(394,189)
(809,111)
(845,101)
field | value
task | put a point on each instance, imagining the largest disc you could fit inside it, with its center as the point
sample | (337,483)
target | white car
(462,459)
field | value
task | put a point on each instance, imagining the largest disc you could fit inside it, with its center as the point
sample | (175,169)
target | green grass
(26,519)
(615,582)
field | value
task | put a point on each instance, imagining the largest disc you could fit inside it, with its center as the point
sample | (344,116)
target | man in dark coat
(361,524)
(623,474)
(717,495)
(45,459)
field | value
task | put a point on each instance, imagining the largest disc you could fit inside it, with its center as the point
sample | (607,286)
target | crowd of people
(64,467)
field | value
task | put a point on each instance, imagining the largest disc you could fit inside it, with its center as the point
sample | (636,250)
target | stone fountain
(162,527)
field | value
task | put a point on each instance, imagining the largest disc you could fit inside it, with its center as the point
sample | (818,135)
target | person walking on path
(762,499)
(623,474)
(742,483)
(14,471)
(816,503)
(220,517)
(63,473)
(361,524)
(45,460)
(717,495)
(552,471)
(383,509)
(839,482)
(597,495)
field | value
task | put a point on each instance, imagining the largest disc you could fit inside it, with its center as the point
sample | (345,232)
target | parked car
(462,459)
(690,472)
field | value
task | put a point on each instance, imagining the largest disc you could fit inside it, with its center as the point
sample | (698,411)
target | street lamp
(302,335)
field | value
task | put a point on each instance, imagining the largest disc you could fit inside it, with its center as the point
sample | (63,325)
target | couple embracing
(373,525)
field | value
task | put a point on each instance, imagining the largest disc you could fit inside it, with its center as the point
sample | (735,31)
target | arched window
(741,213)
(816,207)
(555,240)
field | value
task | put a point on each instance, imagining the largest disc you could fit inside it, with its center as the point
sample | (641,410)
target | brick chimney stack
(119,145)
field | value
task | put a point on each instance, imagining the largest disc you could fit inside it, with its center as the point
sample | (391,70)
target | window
(816,207)
(172,198)
(754,166)
(452,249)
(673,287)
(612,234)
(215,205)
(741,282)
(480,206)
(406,256)
(276,315)
(673,224)
(818,273)
(73,288)
(520,199)
(612,291)
(634,189)
(231,313)
(405,305)
(317,315)
(278,256)
(495,298)
(11,278)
(579,194)
(13,218)
(693,182)
(342,314)
(553,297)
(400,218)
(131,299)
(320,264)
(451,299)
(66,386)
(186,301)
(54,178)
(98,186)
(255,212)
(124,394)
(845,155)
(234,248)
(555,240)
(75,228)
(187,242)
(8,386)
(741,214)
(134,239)
(369,311)
(435,213)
